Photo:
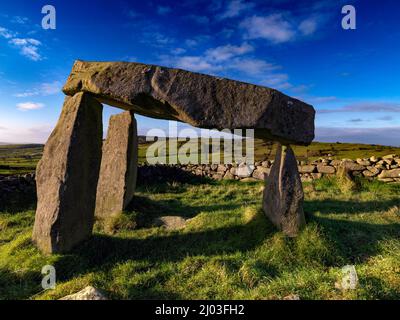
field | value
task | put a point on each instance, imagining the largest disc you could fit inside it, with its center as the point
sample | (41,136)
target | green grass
(227,251)
(18,159)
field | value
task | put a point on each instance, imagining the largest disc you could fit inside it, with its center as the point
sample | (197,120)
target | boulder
(261,173)
(352,166)
(171,223)
(89,293)
(364,162)
(283,194)
(307,169)
(67,176)
(395,173)
(200,100)
(118,171)
(374,159)
(229,176)
(244,170)
(326,169)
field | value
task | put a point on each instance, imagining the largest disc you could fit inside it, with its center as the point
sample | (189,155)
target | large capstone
(67,176)
(200,100)
(283,194)
(118,166)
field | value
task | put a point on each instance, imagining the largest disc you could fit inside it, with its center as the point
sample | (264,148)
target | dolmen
(79,177)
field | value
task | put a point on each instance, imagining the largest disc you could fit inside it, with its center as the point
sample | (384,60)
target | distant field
(23,158)
(19,158)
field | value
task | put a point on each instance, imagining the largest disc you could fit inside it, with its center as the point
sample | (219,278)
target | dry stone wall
(386,169)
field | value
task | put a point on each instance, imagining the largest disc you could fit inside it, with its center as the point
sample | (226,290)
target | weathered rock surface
(67,176)
(171,223)
(89,293)
(283,194)
(200,100)
(395,173)
(118,171)
(261,173)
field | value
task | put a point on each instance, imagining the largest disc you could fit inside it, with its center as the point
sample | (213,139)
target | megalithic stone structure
(283,194)
(118,171)
(68,173)
(67,176)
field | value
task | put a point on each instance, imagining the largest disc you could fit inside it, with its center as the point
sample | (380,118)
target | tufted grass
(227,251)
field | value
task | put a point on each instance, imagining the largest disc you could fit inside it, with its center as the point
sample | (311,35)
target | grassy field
(228,250)
(19,158)
(23,158)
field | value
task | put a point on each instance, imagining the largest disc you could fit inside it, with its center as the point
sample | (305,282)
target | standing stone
(118,167)
(283,194)
(67,176)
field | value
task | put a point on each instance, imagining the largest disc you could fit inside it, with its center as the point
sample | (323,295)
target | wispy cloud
(308,26)
(20,20)
(385,136)
(226,52)
(235,8)
(273,28)
(28,47)
(221,58)
(366,107)
(7,34)
(278,28)
(26,106)
(44,89)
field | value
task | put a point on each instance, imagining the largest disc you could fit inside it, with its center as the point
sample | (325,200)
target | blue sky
(351,77)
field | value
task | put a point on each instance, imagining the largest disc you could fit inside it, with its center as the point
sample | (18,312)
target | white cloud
(252,66)
(273,28)
(308,26)
(20,20)
(25,106)
(226,52)
(45,89)
(28,47)
(217,59)
(51,88)
(178,51)
(276,28)
(235,8)
(195,63)
(277,81)
(25,42)
(7,34)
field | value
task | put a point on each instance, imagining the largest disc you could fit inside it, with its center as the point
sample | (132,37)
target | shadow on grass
(14,286)
(356,241)
(330,206)
(104,252)
(149,209)
(19,203)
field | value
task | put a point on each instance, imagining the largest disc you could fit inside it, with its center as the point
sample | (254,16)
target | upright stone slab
(118,167)
(67,176)
(283,194)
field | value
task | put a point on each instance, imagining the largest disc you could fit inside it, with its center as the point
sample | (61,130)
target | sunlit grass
(228,250)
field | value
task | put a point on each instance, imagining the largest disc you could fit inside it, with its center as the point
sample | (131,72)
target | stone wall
(16,188)
(386,169)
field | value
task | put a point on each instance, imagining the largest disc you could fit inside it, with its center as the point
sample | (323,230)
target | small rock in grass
(89,293)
